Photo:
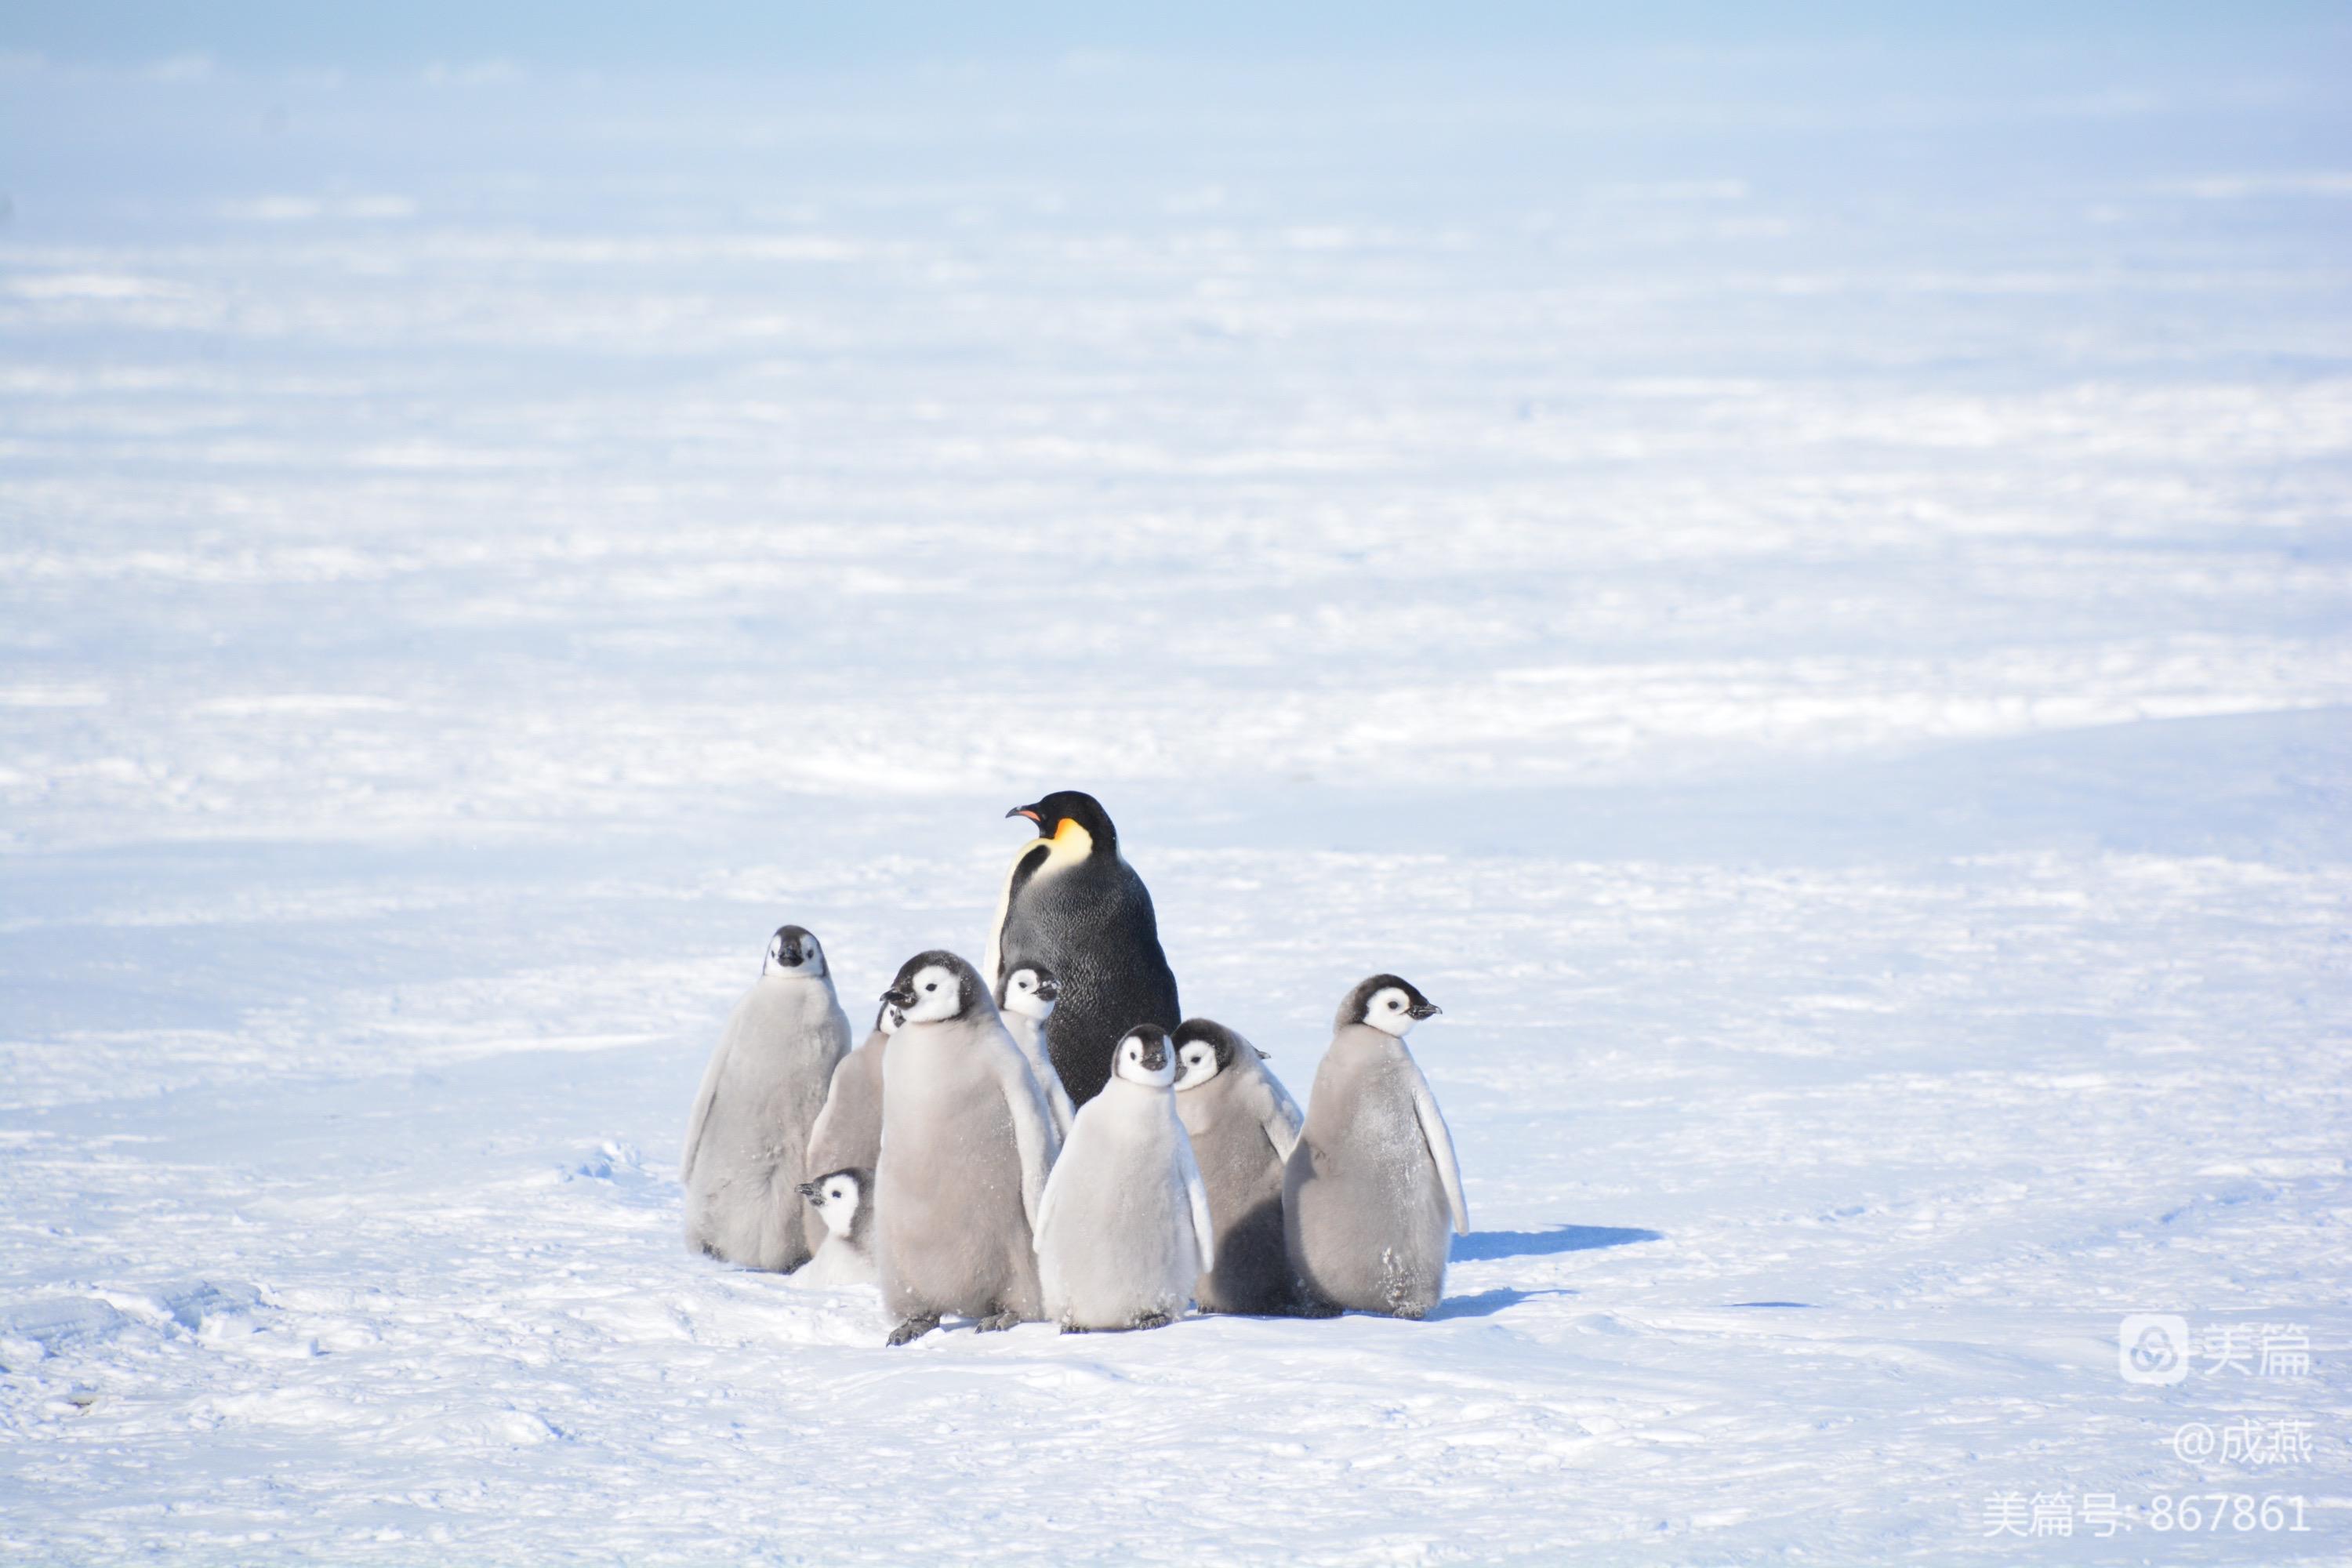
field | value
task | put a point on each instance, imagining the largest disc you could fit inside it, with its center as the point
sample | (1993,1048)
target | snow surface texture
(1807,600)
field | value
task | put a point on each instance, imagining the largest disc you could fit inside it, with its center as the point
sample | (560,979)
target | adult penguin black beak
(1031,813)
(1424,1009)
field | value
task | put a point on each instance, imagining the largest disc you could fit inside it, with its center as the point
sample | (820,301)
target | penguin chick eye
(934,985)
(1394,1004)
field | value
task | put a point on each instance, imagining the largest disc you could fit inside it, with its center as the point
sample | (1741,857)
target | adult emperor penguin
(1026,998)
(845,1199)
(848,1132)
(1125,1231)
(1072,903)
(1368,1191)
(1243,1124)
(759,1099)
(967,1141)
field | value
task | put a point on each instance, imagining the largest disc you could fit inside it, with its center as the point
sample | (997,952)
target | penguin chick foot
(997,1321)
(1151,1320)
(913,1328)
(1312,1309)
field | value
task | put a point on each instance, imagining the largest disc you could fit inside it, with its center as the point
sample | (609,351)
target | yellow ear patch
(1068,834)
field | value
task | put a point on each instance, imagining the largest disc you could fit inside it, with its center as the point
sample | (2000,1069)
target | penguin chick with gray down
(1026,998)
(844,1200)
(759,1098)
(1368,1191)
(1243,1124)
(967,1141)
(1125,1231)
(848,1132)
(1072,903)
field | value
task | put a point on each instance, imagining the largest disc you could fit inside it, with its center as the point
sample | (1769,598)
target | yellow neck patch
(1069,837)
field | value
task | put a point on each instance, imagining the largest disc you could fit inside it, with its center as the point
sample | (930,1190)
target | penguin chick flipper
(1033,1140)
(997,1323)
(913,1328)
(1439,1140)
(1279,1115)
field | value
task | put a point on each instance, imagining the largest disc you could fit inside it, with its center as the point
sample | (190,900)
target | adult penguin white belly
(1073,904)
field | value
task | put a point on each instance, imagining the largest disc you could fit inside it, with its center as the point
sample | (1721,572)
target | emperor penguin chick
(1243,1124)
(848,1132)
(1125,1231)
(1071,901)
(1369,1190)
(967,1141)
(1025,997)
(759,1099)
(844,1200)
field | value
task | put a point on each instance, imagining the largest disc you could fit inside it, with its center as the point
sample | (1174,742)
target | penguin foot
(1314,1309)
(1151,1320)
(913,1328)
(997,1321)
(1070,1327)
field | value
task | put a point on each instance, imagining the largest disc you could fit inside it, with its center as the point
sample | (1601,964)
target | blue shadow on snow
(1487,1303)
(1480,1244)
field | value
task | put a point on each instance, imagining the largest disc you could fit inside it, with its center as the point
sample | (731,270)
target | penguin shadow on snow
(1480,1246)
(1486,1245)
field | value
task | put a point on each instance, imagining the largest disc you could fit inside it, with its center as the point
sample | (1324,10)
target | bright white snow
(1805,597)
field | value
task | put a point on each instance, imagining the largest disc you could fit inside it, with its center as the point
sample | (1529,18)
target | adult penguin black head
(1073,819)
(932,987)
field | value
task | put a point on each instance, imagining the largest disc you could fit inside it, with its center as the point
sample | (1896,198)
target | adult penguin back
(1072,903)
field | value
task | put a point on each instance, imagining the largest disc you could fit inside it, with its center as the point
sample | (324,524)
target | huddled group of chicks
(1039,1138)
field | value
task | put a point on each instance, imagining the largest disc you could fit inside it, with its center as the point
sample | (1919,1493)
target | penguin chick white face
(1204,1048)
(835,1198)
(1031,991)
(938,992)
(1196,1064)
(934,987)
(1388,1004)
(794,952)
(1144,1057)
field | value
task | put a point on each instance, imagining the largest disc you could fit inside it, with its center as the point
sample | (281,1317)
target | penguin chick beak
(1424,1010)
(808,1191)
(900,996)
(1049,990)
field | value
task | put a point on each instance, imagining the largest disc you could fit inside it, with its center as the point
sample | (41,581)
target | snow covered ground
(1805,596)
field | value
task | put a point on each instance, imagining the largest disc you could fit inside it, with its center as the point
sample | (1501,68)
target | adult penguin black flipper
(1072,903)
